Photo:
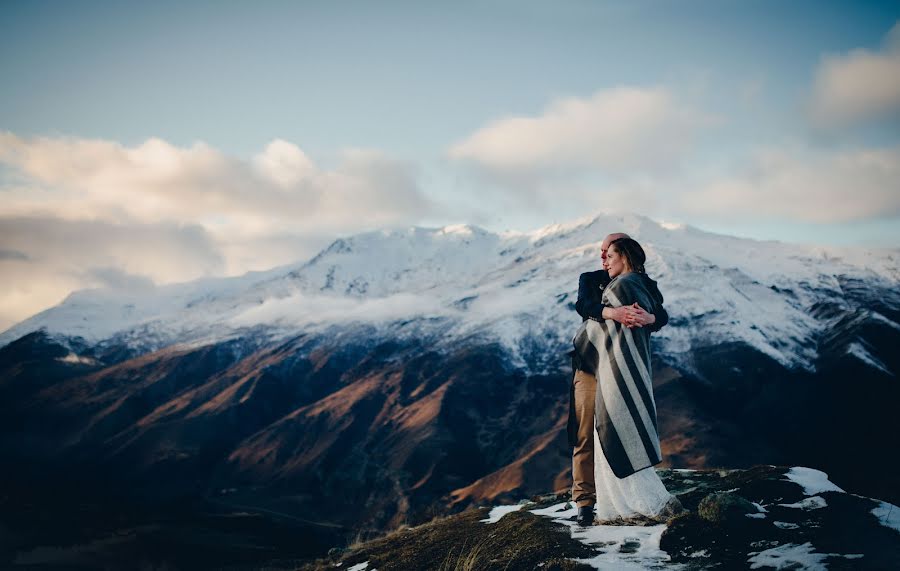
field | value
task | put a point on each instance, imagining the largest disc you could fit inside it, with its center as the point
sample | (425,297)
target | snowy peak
(513,287)
(385,262)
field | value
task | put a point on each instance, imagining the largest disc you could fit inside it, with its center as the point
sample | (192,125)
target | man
(584,385)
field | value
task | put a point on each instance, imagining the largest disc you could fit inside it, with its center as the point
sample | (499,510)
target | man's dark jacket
(590,304)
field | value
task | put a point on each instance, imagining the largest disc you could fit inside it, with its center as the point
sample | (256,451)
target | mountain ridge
(478,279)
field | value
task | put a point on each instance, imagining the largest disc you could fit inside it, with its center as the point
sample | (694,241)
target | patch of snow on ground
(785,525)
(641,543)
(500,511)
(359,566)
(788,556)
(643,540)
(565,509)
(756,515)
(759,507)
(701,553)
(811,480)
(794,556)
(888,515)
(812,503)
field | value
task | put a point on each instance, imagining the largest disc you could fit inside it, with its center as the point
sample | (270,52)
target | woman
(626,439)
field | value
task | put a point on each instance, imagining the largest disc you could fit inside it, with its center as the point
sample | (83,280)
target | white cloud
(284,163)
(50,257)
(858,87)
(164,252)
(803,185)
(790,183)
(615,130)
(87,213)
(278,190)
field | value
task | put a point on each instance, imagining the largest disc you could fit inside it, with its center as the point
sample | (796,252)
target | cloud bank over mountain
(275,190)
(80,211)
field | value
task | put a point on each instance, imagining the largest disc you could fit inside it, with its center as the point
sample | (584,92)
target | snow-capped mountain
(512,287)
(406,373)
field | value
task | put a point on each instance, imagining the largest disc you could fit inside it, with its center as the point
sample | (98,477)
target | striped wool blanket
(625,413)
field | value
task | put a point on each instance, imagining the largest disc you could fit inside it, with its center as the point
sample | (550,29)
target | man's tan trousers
(584,491)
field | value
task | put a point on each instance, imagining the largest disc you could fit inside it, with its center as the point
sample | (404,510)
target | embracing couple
(612,414)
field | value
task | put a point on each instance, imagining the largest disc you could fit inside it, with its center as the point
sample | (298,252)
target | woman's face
(615,262)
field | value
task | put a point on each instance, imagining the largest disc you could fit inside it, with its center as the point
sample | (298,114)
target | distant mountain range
(407,373)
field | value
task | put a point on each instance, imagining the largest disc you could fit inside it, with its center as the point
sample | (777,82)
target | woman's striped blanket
(620,359)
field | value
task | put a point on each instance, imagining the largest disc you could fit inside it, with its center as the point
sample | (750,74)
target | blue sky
(227,129)
(405,77)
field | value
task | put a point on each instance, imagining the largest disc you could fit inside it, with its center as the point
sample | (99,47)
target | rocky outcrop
(764,517)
